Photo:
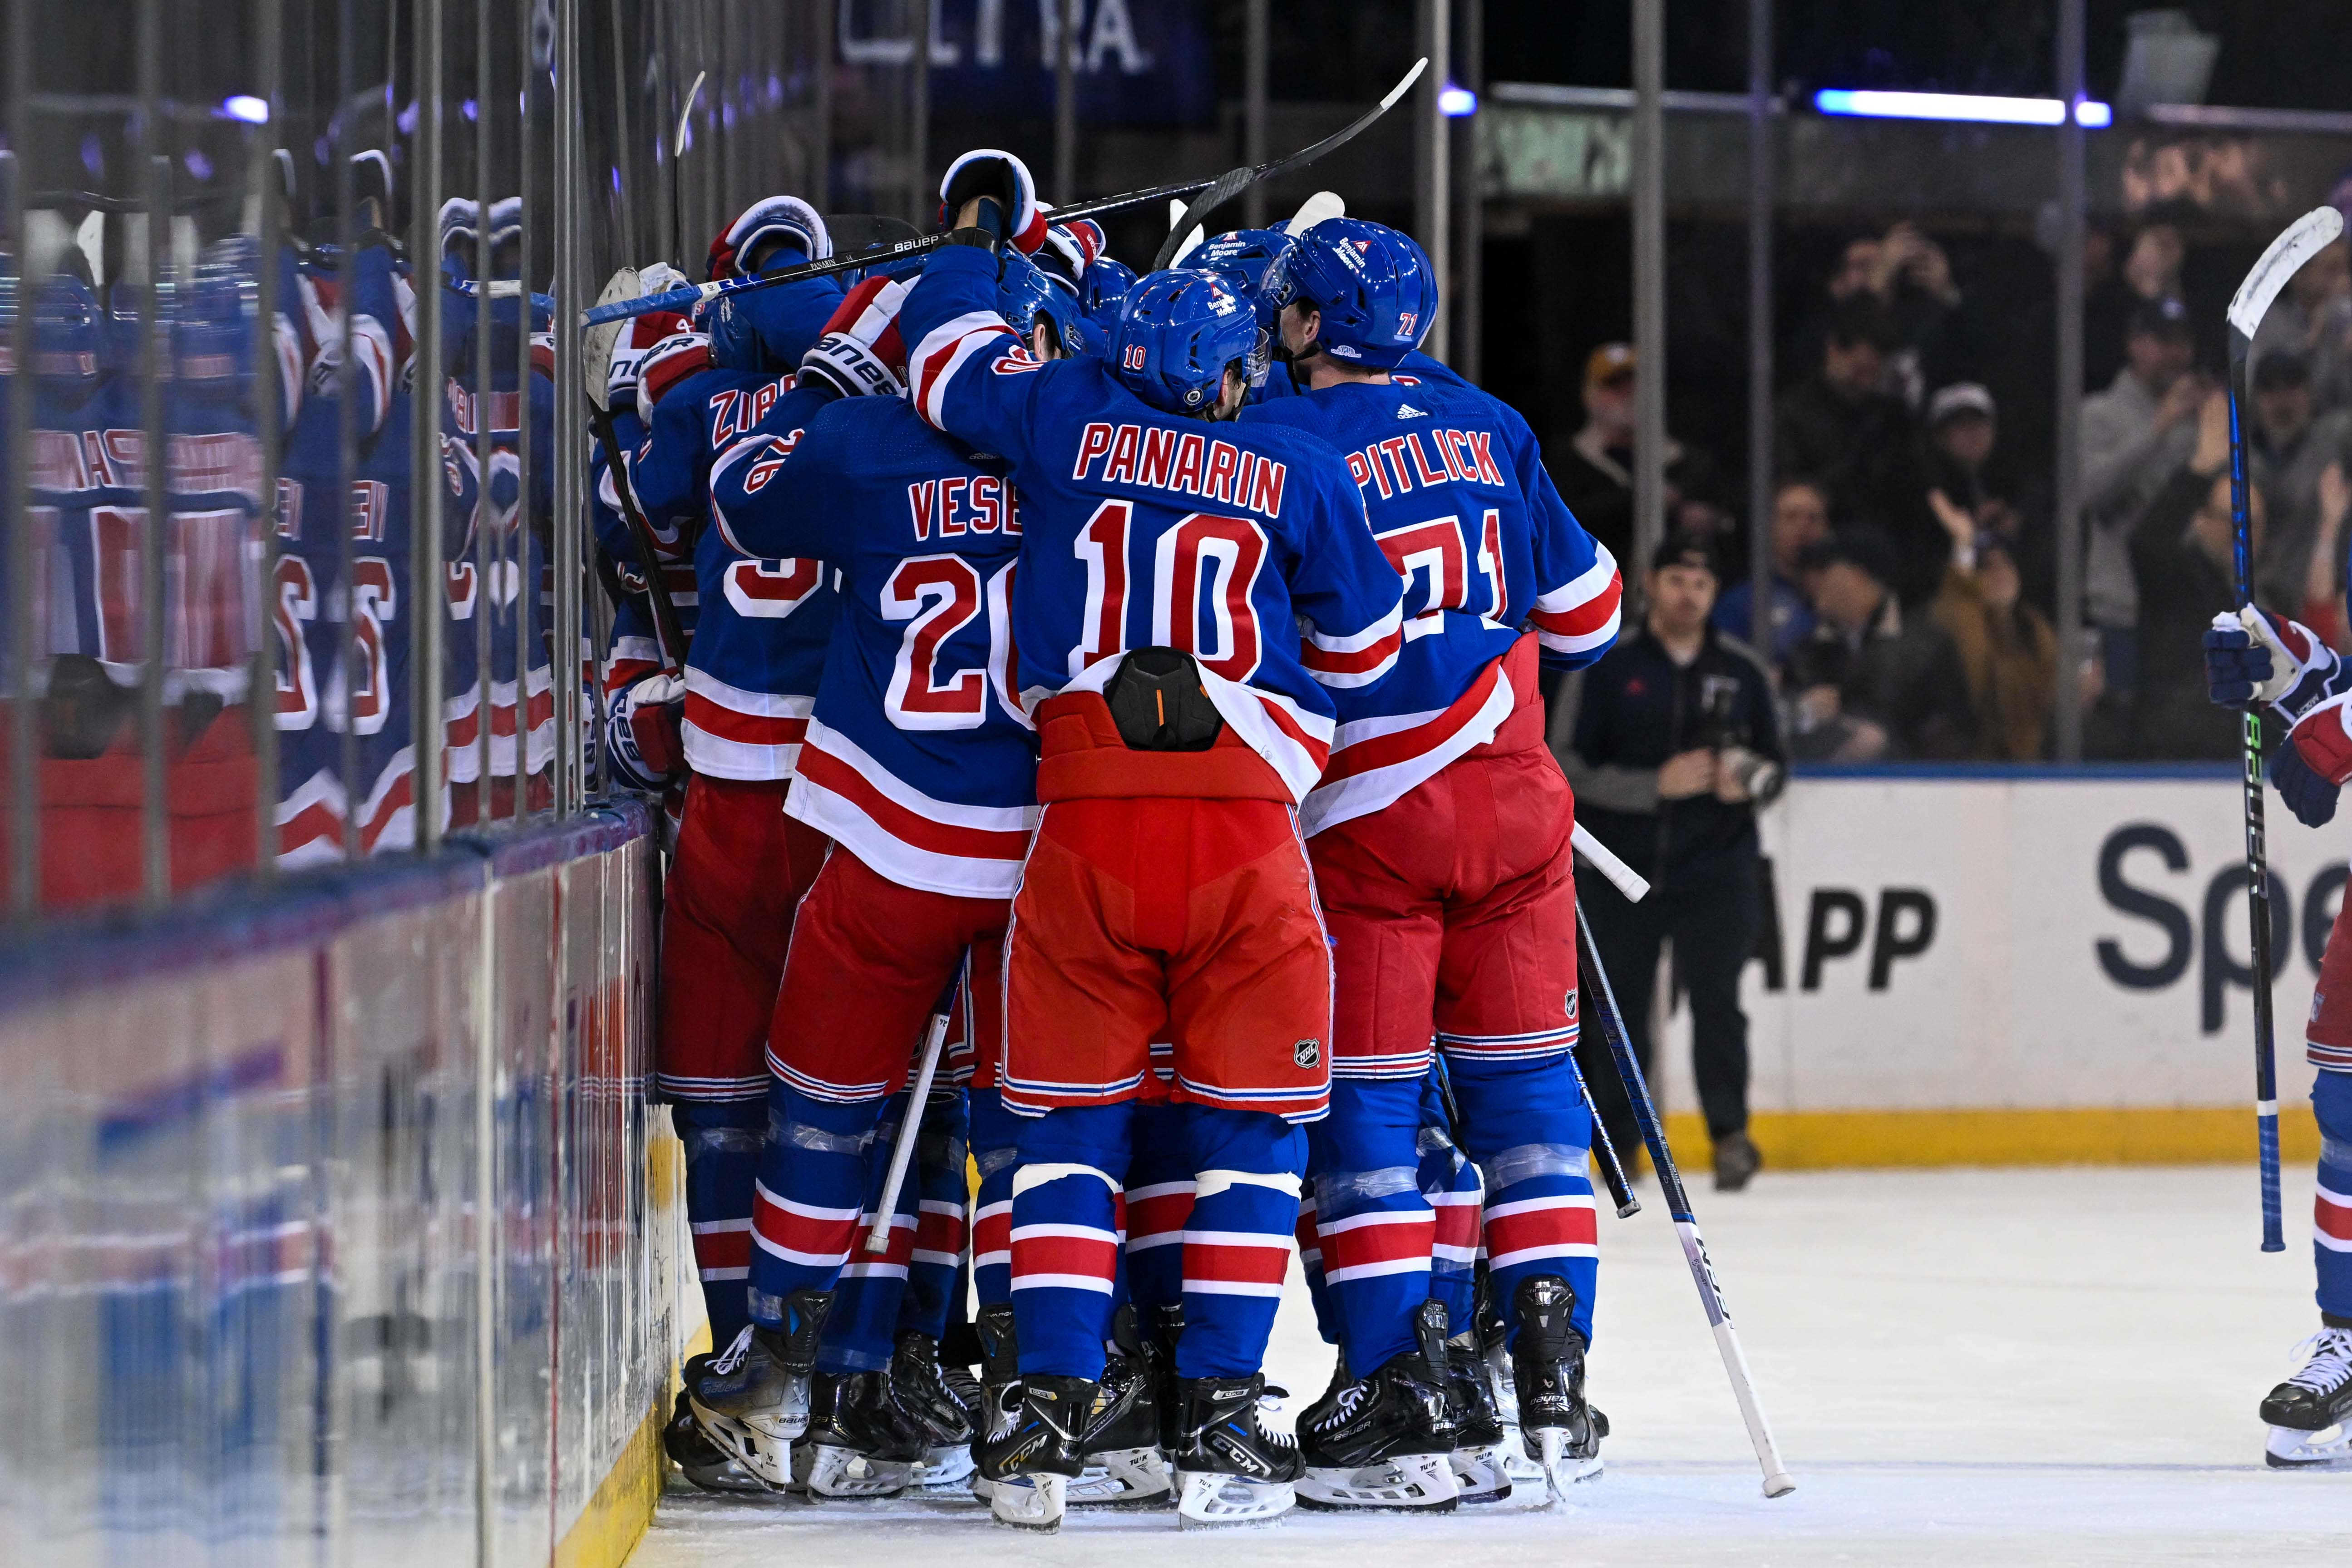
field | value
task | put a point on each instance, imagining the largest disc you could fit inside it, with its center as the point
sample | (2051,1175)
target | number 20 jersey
(1456,495)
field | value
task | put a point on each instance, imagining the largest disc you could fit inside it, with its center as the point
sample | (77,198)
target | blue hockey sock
(722,1166)
(995,1149)
(1159,1205)
(813,1181)
(1246,1167)
(1064,1236)
(1450,1184)
(2331,1233)
(1527,1126)
(1374,1224)
(936,1266)
(860,1330)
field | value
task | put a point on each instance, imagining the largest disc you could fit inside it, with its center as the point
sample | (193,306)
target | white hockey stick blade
(1175,211)
(1628,882)
(597,342)
(2304,238)
(1314,210)
(678,148)
(1192,243)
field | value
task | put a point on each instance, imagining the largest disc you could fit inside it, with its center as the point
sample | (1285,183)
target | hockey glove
(2254,658)
(1008,211)
(645,722)
(665,365)
(2311,797)
(861,354)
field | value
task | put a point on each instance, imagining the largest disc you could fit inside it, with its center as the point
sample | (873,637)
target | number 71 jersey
(1456,495)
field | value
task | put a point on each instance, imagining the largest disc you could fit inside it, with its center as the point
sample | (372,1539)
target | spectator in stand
(2008,648)
(2135,436)
(1874,681)
(2183,550)
(1963,429)
(1594,470)
(1671,744)
(2314,319)
(2323,584)
(1863,446)
(1801,520)
(1909,276)
(2288,447)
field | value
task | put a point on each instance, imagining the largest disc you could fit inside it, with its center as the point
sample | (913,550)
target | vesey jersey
(1460,505)
(635,652)
(761,625)
(917,759)
(1244,546)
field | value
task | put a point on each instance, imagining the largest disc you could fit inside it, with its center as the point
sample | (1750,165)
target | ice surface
(2051,1366)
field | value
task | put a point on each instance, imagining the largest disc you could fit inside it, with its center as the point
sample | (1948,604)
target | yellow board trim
(615,1519)
(2140,1135)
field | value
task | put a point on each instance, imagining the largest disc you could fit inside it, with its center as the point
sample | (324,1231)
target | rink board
(2021,967)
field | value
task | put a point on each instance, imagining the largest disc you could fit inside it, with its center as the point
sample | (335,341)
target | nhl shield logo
(1306,1053)
(1569,1004)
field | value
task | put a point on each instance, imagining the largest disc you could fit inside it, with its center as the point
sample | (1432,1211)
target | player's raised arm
(968,371)
(667,471)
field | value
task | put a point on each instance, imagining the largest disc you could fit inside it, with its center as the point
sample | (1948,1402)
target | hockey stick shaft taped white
(1628,882)
(1776,1480)
(878,1240)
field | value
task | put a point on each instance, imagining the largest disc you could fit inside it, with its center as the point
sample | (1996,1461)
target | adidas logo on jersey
(1407,411)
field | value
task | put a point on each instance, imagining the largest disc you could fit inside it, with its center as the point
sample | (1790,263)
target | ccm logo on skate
(2222,914)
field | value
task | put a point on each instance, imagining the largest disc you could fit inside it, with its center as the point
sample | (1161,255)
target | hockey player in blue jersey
(1187,592)
(2255,659)
(1440,837)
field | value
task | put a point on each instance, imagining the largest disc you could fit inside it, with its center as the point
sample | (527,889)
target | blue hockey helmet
(768,330)
(1242,257)
(68,334)
(1177,333)
(211,341)
(1102,292)
(1025,291)
(1372,284)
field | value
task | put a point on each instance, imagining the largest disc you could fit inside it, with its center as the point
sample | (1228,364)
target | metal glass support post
(1432,206)
(427,569)
(1467,315)
(155,480)
(1763,173)
(534,61)
(821,109)
(1065,100)
(340,609)
(919,201)
(1649,283)
(570,420)
(269,421)
(2069,404)
(1255,46)
(17,506)
(486,558)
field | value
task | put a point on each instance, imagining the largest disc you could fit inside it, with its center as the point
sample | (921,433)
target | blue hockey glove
(2254,658)
(2307,794)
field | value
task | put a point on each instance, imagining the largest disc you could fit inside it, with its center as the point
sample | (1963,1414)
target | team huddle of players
(1133,684)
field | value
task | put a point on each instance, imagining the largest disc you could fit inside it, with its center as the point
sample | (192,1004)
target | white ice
(2053,1366)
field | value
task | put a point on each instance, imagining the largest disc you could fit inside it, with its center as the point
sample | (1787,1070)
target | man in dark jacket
(1863,446)
(1670,744)
(1874,681)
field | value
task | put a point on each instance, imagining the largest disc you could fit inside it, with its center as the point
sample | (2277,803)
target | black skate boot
(1122,1437)
(1384,1441)
(1167,1328)
(1229,1469)
(928,1400)
(2310,1415)
(1548,1369)
(706,1464)
(1000,1385)
(859,1444)
(1477,1461)
(752,1399)
(1030,1468)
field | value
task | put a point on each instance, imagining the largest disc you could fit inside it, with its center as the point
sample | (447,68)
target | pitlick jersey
(761,625)
(1242,546)
(1459,503)
(917,758)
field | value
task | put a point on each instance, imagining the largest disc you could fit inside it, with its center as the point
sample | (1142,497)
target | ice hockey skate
(1385,1441)
(1029,1469)
(1558,1428)
(1229,1469)
(858,1443)
(1479,1473)
(2310,1415)
(940,1415)
(691,1449)
(1123,1462)
(1000,1385)
(753,1400)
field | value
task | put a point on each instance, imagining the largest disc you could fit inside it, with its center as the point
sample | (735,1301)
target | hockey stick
(596,353)
(2302,239)
(1628,882)
(1232,183)
(1604,1151)
(934,1040)
(1777,1481)
(678,172)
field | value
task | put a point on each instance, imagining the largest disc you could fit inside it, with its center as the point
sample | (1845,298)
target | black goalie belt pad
(1158,704)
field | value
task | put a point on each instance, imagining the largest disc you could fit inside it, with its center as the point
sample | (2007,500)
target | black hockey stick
(1777,1481)
(2302,239)
(668,631)
(1232,182)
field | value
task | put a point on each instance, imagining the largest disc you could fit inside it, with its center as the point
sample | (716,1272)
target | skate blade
(762,1445)
(1032,1502)
(844,1473)
(1408,1483)
(945,1468)
(1122,1478)
(1209,1500)
(2329,1448)
(1479,1477)
(1561,1469)
(1512,1452)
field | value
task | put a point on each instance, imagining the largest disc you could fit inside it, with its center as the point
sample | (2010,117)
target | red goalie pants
(869,958)
(1453,908)
(740,867)
(1181,920)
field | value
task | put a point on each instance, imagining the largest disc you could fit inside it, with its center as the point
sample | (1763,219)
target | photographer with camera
(1671,743)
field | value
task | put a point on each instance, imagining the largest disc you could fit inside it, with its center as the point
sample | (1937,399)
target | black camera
(1720,731)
